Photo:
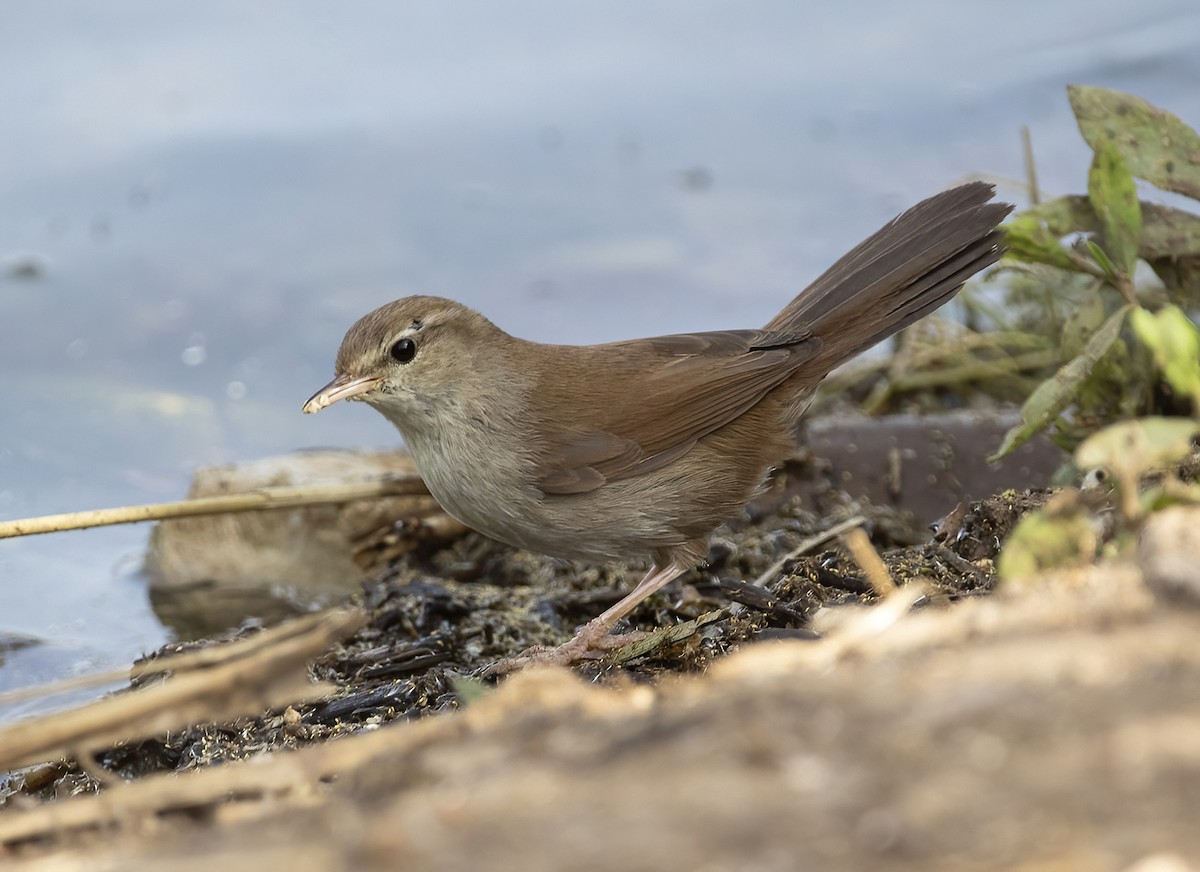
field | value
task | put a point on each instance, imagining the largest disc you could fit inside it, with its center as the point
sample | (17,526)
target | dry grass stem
(244,677)
(859,545)
(807,545)
(250,501)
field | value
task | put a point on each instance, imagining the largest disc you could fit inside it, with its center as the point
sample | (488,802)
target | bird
(640,448)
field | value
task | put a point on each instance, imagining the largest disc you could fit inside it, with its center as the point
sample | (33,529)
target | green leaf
(1052,396)
(1102,260)
(1171,245)
(1050,538)
(469,690)
(1158,497)
(1031,240)
(1175,343)
(1180,277)
(1170,240)
(1113,195)
(1131,448)
(1166,231)
(1063,215)
(1085,319)
(1155,144)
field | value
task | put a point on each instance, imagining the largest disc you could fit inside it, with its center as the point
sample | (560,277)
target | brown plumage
(641,447)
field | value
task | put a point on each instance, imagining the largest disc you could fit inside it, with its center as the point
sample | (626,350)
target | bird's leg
(596,635)
(595,638)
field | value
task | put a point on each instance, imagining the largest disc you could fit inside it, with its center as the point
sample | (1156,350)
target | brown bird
(640,448)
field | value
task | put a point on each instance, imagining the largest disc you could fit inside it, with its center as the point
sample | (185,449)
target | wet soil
(806,721)
(439,618)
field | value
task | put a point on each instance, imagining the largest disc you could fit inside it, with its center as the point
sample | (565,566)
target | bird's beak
(341,388)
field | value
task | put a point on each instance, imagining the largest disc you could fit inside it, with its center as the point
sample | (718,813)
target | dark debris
(441,617)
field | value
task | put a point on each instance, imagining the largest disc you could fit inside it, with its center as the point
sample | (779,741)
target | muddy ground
(805,722)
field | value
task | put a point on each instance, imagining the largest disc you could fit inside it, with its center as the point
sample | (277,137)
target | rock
(1169,554)
(208,573)
(927,463)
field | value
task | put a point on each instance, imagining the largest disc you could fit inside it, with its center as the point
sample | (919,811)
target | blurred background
(196,201)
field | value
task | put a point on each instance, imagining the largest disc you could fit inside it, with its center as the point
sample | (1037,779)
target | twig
(664,636)
(958,563)
(1035,195)
(859,545)
(264,671)
(977,371)
(80,682)
(807,545)
(250,501)
(178,663)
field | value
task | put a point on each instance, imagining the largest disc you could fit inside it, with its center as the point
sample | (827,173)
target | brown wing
(660,396)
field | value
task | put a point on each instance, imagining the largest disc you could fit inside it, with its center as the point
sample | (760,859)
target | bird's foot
(592,642)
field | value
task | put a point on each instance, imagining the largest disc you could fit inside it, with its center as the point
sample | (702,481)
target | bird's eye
(404,350)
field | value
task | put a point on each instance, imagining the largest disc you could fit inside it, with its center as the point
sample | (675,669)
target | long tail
(899,274)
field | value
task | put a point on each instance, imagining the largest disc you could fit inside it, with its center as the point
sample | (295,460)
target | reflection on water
(197,203)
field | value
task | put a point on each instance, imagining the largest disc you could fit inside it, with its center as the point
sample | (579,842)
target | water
(213,192)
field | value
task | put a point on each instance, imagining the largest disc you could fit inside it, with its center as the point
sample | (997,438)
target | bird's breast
(481,479)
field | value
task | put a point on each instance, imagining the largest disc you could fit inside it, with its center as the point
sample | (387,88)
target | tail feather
(899,274)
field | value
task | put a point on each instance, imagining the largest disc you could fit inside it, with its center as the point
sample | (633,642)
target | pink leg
(651,583)
(593,641)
